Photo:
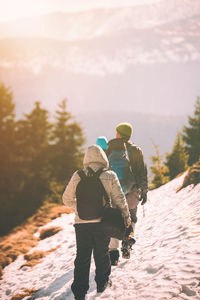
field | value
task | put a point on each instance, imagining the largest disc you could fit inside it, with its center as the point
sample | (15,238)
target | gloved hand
(127,221)
(143,198)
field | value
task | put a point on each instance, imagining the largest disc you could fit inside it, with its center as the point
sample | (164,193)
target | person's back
(89,234)
(135,186)
(138,178)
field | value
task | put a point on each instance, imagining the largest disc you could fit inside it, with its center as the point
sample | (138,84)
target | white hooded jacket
(95,158)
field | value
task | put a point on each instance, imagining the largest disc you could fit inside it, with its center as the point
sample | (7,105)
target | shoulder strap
(90,172)
(127,149)
(93,173)
(98,173)
(81,174)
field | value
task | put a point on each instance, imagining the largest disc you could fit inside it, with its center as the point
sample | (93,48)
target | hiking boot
(114,257)
(101,289)
(127,244)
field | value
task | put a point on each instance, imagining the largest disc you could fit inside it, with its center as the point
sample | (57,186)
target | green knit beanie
(125,130)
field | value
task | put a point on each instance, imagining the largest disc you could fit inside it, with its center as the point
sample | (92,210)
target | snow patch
(164,262)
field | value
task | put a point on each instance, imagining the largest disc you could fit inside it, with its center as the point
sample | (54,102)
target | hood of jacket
(95,155)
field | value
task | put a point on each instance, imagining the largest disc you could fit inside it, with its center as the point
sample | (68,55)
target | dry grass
(25,293)
(35,257)
(192,176)
(21,239)
(47,232)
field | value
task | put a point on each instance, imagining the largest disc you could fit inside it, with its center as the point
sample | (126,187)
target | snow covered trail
(164,264)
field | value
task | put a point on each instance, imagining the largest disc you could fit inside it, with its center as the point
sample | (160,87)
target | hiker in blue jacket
(90,238)
(135,186)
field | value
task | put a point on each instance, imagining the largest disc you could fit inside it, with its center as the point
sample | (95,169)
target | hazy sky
(12,9)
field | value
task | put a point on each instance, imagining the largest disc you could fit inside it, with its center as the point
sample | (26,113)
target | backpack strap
(98,173)
(93,173)
(128,151)
(90,172)
(81,174)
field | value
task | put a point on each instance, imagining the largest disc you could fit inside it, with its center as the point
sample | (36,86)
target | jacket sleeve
(117,196)
(139,168)
(69,195)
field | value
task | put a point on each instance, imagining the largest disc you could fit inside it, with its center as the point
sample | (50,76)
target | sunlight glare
(21,8)
(15,9)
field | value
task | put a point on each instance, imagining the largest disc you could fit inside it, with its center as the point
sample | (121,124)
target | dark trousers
(90,238)
(133,213)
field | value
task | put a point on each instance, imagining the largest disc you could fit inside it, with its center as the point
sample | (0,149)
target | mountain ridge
(102,62)
(89,23)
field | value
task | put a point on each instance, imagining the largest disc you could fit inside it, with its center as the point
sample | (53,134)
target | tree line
(185,152)
(37,158)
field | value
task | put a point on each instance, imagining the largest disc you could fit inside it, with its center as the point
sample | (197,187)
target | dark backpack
(89,195)
(120,163)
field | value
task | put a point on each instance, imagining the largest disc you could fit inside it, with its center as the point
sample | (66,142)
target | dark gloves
(143,197)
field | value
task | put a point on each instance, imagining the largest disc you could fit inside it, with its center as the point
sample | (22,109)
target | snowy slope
(165,262)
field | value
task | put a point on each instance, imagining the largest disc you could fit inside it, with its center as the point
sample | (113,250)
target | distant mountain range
(102,21)
(136,61)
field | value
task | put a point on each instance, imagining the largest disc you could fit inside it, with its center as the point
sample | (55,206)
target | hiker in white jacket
(89,235)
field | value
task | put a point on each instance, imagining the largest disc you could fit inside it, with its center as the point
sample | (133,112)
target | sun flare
(12,9)
(16,9)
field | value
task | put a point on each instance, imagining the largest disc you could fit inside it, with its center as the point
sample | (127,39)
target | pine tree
(7,129)
(159,170)
(8,162)
(34,131)
(32,146)
(7,133)
(32,164)
(177,160)
(191,135)
(67,142)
